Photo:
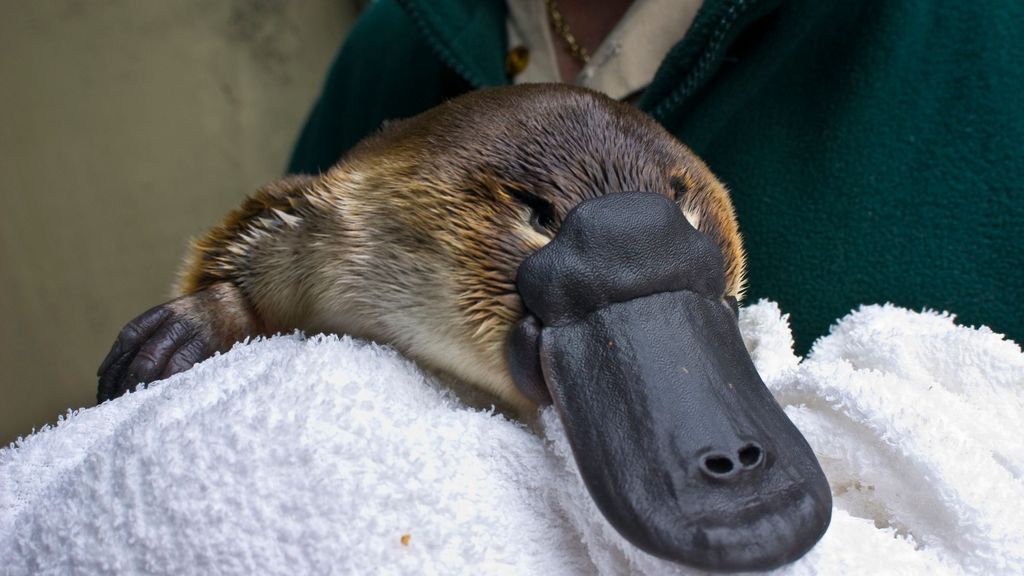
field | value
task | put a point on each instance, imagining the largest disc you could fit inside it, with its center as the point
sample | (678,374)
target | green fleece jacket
(874,149)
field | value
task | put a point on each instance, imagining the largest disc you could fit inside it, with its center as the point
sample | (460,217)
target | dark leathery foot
(155,345)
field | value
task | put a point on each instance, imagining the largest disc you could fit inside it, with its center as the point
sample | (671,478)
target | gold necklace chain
(562,27)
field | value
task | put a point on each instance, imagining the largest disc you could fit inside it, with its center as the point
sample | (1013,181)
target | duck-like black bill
(678,440)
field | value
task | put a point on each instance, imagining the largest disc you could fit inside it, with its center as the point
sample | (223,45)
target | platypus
(549,245)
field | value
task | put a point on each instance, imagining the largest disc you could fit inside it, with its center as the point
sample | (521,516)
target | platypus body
(546,244)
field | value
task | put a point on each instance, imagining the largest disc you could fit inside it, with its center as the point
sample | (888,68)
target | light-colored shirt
(624,63)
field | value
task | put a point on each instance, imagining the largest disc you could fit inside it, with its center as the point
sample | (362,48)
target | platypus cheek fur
(682,447)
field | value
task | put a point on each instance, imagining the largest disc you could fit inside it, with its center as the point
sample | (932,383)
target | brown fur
(415,237)
(220,313)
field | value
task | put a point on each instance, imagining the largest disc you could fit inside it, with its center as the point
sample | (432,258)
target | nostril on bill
(751,456)
(723,466)
(718,466)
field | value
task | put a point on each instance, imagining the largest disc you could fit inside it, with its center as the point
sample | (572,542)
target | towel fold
(331,455)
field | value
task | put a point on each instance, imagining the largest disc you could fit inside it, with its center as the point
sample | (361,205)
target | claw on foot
(157,344)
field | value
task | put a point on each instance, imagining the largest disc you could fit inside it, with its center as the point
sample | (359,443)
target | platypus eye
(542,212)
(678,185)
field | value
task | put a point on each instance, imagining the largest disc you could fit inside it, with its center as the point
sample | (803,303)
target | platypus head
(552,245)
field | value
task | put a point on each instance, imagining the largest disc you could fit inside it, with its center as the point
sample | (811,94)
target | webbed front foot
(173,337)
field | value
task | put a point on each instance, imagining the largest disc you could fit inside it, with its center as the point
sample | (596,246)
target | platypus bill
(546,244)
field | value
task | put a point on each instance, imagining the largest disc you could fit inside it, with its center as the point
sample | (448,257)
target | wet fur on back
(414,237)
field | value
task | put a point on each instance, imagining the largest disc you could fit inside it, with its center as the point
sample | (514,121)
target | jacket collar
(469,36)
(695,59)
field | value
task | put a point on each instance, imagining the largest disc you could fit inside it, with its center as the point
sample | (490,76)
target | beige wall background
(126,127)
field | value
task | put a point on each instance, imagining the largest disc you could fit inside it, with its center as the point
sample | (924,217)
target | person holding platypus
(553,245)
(872,149)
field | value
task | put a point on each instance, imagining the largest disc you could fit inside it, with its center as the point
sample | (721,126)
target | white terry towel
(331,455)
